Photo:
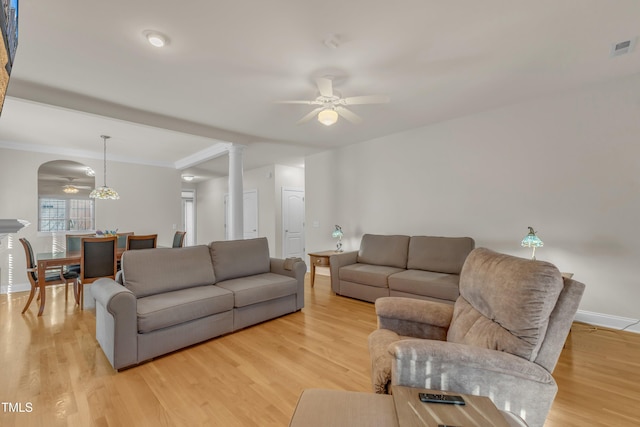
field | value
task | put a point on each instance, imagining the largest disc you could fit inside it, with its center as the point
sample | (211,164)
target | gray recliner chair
(501,339)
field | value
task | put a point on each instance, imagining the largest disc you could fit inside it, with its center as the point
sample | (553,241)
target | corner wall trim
(607,321)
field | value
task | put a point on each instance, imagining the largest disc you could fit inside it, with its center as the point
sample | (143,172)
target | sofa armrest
(513,383)
(297,271)
(414,317)
(116,322)
(338,260)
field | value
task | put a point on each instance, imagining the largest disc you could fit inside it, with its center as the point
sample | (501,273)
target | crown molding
(67,152)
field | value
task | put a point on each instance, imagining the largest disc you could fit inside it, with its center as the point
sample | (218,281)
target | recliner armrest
(444,356)
(414,317)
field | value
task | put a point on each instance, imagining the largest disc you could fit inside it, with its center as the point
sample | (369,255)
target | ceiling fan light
(327,117)
(70,189)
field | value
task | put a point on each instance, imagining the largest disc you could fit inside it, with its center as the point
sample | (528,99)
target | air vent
(623,47)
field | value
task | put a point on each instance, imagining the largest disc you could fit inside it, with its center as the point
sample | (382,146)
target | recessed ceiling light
(188,178)
(155,39)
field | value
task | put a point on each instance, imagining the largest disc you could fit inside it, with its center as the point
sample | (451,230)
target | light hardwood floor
(253,377)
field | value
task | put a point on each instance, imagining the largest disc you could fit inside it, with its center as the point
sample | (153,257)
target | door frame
(194,217)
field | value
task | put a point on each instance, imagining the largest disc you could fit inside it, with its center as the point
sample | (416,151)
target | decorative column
(236,193)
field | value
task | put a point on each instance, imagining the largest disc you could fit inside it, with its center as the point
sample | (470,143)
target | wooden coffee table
(478,410)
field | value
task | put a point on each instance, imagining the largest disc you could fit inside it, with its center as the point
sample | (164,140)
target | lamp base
(339,247)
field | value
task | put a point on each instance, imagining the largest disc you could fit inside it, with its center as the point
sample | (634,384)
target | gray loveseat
(173,298)
(423,267)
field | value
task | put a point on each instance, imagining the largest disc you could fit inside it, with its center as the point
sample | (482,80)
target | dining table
(50,260)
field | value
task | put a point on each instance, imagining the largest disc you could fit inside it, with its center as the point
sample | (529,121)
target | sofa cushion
(505,303)
(372,275)
(153,271)
(173,308)
(239,258)
(259,288)
(384,250)
(426,283)
(441,254)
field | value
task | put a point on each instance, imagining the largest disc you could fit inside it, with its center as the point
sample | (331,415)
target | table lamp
(337,233)
(532,241)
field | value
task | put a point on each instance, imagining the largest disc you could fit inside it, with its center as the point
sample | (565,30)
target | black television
(9,28)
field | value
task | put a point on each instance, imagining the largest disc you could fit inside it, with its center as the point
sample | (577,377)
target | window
(65,215)
(63,197)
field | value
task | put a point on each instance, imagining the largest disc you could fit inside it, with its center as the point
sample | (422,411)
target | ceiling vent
(623,47)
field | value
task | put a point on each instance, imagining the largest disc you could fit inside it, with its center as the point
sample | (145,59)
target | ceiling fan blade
(294,102)
(310,115)
(367,99)
(325,86)
(349,115)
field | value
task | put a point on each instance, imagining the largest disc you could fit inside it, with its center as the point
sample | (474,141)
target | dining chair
(122,239)
(178,239)
(122,242)
(142,241)
(52,277)
(98,258)
(73,245)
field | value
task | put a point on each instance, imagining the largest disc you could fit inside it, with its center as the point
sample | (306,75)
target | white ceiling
(84,68)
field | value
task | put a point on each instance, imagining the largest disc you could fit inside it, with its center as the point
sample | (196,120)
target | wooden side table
(319,259)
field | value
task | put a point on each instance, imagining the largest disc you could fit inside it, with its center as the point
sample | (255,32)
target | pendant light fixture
(104,192)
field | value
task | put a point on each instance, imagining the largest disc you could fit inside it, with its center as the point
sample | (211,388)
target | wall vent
(623,47)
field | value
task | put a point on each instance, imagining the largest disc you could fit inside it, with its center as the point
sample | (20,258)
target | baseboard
(608,321)
(16,287)
(590,317)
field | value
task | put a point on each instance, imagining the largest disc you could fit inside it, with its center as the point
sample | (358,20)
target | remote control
(441,398)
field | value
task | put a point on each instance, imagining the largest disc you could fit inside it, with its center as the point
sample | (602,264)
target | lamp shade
(104,193)
(337,233)
(328,117)
(531,240)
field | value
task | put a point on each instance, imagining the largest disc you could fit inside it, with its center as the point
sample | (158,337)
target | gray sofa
(173,298)
(423,267)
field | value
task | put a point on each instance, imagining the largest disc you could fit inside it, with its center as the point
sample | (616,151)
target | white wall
(268,180)
(149,203)
(568,166)
(210,205)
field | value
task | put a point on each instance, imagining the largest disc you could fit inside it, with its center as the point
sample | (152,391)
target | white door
(249,214)
(293,223)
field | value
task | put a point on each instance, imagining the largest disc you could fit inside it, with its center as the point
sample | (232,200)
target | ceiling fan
(331,105)
(70,188)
